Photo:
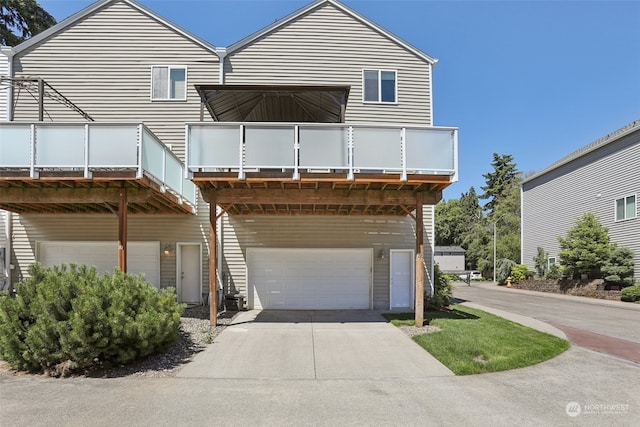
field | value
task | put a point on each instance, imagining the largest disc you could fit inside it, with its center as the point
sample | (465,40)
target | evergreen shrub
(442,290)
(64,319)
(631,293)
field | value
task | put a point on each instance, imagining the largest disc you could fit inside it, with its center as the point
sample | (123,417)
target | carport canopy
(274,103)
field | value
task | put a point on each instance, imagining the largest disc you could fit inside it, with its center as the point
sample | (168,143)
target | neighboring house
(313,153)
(602,178)
(450,259)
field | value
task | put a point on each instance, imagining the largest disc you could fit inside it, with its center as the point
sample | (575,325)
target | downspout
(7,251)
(431,121)
(222,53)
(9,52)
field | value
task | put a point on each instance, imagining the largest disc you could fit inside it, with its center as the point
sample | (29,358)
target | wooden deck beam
(83,195)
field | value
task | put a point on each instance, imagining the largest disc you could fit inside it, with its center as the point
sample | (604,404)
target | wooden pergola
(319,194)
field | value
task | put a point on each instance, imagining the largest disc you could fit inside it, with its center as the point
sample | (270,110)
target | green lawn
(473,341)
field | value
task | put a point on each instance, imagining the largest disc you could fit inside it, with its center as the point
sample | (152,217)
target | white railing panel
(113,146)
(217,147)
(15,146)
(152,155)
(376,148)
(430,150)
(60,146)
(174,173)
(189,191)
(324,147)
(269,146)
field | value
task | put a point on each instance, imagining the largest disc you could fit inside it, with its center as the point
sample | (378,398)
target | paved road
(613,319)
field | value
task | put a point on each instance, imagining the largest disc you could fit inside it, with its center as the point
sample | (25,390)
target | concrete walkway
(357,344)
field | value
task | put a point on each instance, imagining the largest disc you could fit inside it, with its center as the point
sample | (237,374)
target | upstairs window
(380,86)
(168,83)
(626,208)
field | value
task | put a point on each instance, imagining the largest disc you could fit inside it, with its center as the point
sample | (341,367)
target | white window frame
(624,216)
(169,68)
(380,71)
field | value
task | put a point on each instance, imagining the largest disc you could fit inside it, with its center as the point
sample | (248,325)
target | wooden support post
(213,260)
(419,303)
(122,231)
(40,100)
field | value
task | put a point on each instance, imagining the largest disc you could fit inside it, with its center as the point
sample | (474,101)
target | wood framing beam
(419,264)
(319,197)
(213,261)
(72,195)
(122,230)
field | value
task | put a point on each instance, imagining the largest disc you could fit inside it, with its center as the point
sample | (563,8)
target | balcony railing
(90,147)
(309,147)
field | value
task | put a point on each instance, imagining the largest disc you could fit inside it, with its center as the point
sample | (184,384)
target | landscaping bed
(591,289)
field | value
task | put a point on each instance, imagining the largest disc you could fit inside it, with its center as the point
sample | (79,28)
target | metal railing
(90,147)
(321,147)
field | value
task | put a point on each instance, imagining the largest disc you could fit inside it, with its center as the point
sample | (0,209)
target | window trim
(169,68)
(624,199)
(395,88)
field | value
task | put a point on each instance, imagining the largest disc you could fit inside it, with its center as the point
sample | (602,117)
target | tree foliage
(501,181)
(619,267)
(586,248)
(22,19)
(540,261)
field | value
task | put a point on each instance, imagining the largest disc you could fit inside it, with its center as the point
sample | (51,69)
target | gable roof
(76,17)
(605,140)
(316,5)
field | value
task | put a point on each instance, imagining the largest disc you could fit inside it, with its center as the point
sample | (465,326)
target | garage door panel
(310,278)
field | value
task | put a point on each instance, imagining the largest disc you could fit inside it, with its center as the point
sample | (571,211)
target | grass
(473,342)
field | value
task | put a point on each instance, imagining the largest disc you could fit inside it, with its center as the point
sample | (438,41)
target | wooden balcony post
(122,231)
(419,264)
(213,260)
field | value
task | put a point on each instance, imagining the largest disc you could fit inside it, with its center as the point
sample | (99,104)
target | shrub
(442,290)
(64,319)
(631,294)
(619,267)
(519,272)
(554,272)
(504,270)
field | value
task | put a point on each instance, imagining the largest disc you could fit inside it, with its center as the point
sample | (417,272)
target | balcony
(295,149)
(320,168)
(83,158)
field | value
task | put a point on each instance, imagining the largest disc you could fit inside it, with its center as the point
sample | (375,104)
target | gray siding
(328,46)
(103,64)
(554,201)
(377,233)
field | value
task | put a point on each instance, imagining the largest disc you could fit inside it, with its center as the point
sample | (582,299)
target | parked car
(473,275)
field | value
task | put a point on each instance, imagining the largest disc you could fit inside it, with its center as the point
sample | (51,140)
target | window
(379,86)
(168,83)
(626,208)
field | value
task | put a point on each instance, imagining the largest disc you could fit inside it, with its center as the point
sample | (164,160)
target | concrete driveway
(357,344)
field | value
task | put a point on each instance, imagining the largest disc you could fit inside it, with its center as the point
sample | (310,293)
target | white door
(189,273)
(142,257)
(309,279)
(401,279)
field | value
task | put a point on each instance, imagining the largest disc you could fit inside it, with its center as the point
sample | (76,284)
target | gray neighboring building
(450,258)
(602,178)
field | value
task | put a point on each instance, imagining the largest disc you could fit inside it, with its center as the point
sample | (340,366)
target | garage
(142,257)
(309,279)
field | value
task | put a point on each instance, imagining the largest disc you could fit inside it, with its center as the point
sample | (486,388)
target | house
(601,178)
(450,259)
(306,155)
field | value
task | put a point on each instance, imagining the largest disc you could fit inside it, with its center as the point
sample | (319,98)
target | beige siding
(377,233)
(168,229)
(4,88)
(103,64)
(328,46)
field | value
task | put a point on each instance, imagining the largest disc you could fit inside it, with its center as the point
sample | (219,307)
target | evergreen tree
(22,19)
(586,247)
(500,182)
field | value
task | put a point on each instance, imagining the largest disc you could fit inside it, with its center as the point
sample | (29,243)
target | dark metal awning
(275,103)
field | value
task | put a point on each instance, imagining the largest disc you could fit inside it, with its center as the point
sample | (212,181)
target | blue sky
(534,79)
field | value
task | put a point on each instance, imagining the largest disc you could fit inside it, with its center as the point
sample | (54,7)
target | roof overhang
(275,103)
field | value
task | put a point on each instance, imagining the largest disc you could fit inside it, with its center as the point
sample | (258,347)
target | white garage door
(319,279)
(142,257)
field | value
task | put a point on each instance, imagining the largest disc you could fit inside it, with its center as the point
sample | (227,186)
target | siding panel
(327,46)
(554,201)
